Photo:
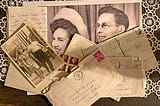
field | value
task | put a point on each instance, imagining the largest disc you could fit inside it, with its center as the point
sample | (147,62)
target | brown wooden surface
(14,97)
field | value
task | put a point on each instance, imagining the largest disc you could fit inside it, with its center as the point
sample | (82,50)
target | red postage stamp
(98,56)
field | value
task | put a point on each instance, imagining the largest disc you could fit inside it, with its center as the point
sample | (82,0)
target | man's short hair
(120,17)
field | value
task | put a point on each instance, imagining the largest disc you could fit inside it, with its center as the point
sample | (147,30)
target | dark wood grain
(15,97)
(151,100)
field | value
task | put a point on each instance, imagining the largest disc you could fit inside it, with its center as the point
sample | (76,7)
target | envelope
(86,84)
(77,45)
(130,43)
(133,83)
(134,76)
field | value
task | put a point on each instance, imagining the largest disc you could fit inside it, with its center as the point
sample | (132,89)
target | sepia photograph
(35,59)
(69,63)
(96,22)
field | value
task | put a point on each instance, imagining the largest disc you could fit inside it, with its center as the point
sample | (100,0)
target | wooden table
(14,97)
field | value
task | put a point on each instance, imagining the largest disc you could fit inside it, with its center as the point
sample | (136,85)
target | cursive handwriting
(85,91)
(37,17)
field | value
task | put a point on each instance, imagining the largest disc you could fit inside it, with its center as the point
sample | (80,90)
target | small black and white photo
(32,55)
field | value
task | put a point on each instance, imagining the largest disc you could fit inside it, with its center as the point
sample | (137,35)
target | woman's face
(60,40)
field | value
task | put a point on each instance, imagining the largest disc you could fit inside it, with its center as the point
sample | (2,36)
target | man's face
(60,40)
(106,27)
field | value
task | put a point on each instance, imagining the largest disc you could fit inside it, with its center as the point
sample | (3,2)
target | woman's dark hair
(64,24)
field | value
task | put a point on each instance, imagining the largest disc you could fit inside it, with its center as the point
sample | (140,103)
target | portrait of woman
(66,23)
(62,32)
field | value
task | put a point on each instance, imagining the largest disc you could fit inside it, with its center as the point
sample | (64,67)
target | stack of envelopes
(113,68)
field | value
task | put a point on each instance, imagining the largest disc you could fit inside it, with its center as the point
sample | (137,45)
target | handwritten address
(85,91)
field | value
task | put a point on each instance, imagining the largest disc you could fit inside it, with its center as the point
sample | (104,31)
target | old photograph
(96,22)
(69,63)
(32,55)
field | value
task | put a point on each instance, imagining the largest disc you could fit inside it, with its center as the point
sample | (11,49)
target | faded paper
(116,98)
(94,76)
(110,48)
(135,43)
(24,48)
(19,82)
(19,15)
(132,85)
(77,45)
(130,43)
(68,63)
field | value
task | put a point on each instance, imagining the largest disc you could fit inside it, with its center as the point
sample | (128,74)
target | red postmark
(98,56)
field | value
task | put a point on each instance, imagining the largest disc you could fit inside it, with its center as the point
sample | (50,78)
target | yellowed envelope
(86,84)
(133,83)
(130,43)
(116,92)
(77,45)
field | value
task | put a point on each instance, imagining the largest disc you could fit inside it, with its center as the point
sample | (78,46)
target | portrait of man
(111,21)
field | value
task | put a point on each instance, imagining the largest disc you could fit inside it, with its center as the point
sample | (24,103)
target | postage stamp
(98,56)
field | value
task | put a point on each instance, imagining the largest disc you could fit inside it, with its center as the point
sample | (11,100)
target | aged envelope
(77,45)
(110,48)
(135,43)
(75,50)
(73,53)
(85,84)
(130,43)
(132,85)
